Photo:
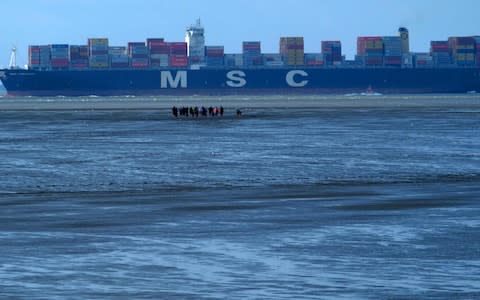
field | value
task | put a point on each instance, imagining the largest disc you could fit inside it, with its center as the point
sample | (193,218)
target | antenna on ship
(13,59)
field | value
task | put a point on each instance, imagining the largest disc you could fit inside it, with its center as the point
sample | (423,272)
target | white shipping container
(161,57)
(423,56)
(407,59)
(314,56)
(272,57)
(274,64)
(239,60)
(236,58)
(117,50)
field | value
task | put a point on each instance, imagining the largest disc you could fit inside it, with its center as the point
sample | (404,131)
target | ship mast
(13,59)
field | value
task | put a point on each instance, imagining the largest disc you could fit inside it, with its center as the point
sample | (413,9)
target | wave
(208,187)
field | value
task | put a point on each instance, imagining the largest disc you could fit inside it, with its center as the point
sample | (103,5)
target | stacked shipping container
(234,60)
(477,49)
(272,60)
(332,51)
(314,59)
(159,52)
(252,54)
(39,57)
(59,56)
(34,56)
(292,50)
(423,60)
(371,49)
(79,56)
(392,47)
(118,57)
(463,50)
(178,54)
(138,54)
(215,56)
(98,53)
(440,52)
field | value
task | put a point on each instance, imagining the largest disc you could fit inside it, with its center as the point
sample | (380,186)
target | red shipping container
(468,40)
(178,60)
(159,48)
(178,45)
(293,47)
(463,42)
(178,48)
(155,44)
(393,60)
(79,66)
(152,41)
(362,43)
(251,46)
(130,44)
(315,63)
(119,65)
(214,52)
(374,61)
(439,45)
(59,60)
(195,59)
(139,65)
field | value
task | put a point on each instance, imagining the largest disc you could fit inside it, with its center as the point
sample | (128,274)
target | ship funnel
(404,37)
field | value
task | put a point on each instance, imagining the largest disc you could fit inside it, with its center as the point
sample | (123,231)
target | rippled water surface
(296,200)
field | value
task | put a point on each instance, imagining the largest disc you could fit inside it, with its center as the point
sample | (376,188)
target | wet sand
(165,102)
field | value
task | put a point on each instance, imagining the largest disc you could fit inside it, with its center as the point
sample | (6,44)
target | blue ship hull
(111,82)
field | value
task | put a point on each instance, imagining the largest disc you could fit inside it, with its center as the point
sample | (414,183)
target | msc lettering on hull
(234,79)
(168,81)
(293,75)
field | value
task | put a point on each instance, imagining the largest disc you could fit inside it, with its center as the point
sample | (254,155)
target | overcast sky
(229,22)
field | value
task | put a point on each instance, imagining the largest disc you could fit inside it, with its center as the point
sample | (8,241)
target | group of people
(195,111)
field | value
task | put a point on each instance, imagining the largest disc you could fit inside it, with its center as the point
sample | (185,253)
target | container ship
(384,64)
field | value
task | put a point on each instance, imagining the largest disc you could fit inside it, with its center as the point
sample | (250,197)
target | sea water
(299,198)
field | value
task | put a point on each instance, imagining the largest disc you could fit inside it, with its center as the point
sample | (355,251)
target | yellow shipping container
(98,41)
(466,47)
(374,44)
(469,56)
(291,41)
(291,52)
(461,57)
(99,65)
